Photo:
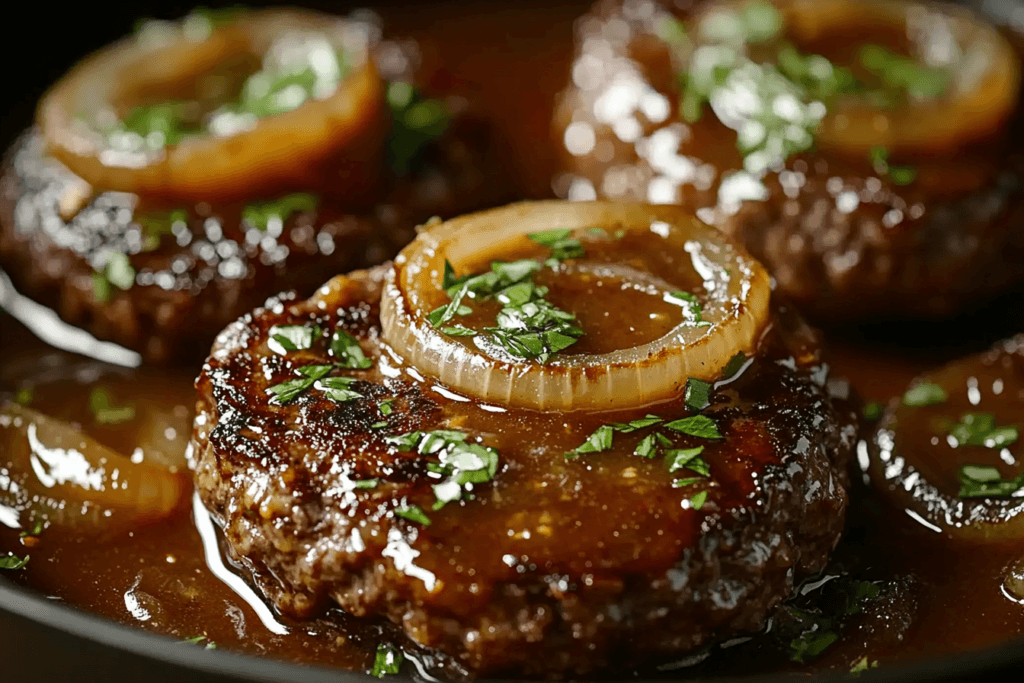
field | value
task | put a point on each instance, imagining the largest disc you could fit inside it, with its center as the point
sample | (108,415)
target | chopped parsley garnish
(528,326)
(155,225)
(979,429)
(23,396)
(13,562)
(697,394)
(862,665)
(696,425)
(561,244)
(285,338)
(338,389)
(924,394)
(776,107)
(118,272)
(808,632)
(687,458)
(37,528)
(633,425)
(366,484)
(873,410)
(692,309)
(413,513)
(899,175)
(288,391)
(417,122)
(600,440)
(347,352)
(904,74)
(155,126)
(197,640)
(984,481)
(810,645)
(101,404)
(386,407)
(698,499)
(734,365)
(259,215)
(461,463)
(388,661)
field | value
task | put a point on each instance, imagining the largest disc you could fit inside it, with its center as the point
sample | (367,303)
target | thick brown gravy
(938,596)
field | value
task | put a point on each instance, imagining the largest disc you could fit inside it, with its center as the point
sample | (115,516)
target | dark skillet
(43,640)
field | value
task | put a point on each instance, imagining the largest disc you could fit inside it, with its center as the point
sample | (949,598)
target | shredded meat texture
(555,567)
(843,241)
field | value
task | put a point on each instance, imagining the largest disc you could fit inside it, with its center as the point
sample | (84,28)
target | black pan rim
(64,618)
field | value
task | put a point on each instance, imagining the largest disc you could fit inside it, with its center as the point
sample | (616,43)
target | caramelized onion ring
(59,474)
(333,144)
(737,287)
(980,101)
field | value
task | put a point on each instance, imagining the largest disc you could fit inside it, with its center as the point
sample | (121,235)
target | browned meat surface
(556,566)
(843,240)
(193,278)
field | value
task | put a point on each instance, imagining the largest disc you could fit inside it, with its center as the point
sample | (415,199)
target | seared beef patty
(189,279)
(554,565)
(842,239)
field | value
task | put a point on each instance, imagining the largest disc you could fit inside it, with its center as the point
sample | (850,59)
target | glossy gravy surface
(938,596)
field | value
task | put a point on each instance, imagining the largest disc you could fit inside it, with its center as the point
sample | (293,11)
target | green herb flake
(101,404)
(600,440)
(734,365)
(347,352)
(23,396)
(118,272)
(462,462)
(417,121)
(979,429)
(810,645)
(367,484)
(873,410)
(35,530)
(386,407)
(559,241)
(687,458)
(647,448)
(687,481)
(924,394)
(198,640)
(697,394)
(388,661)
(698,499)
(696,425)
(413,513)
(862,665)
(13,562)
(289,390)
(338,389)
(285,338)
(634,425)
(692,308)
(984,481)
(261,214)
(458,331)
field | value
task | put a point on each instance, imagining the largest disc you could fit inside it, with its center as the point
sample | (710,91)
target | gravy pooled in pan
(550,440)
(280,148)
(868,153)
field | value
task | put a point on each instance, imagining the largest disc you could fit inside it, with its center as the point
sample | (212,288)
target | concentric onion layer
(735,303)
(983,67)
(332,143)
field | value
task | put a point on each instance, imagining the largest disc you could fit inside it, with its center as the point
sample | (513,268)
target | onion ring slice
(334,144)
(985,83)
(737,289)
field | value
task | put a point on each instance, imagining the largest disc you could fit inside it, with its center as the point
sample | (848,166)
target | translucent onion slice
(984,88)
(333,144)
(737,290)
(51,471)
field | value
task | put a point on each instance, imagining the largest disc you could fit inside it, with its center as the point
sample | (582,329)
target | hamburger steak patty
(556,565)
(189,278)
(843,241)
